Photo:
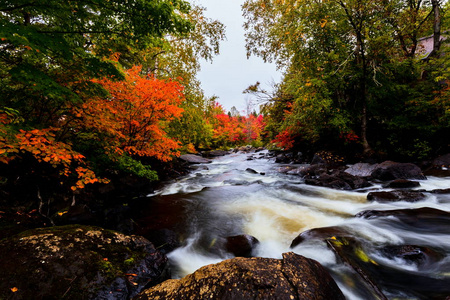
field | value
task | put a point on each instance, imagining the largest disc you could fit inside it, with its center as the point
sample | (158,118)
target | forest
(90,89)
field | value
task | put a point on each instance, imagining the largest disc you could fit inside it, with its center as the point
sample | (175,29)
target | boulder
(380,277)
(165,240)
(78,262)
(321,233)
(283,158)
(399,195)
(250,170)
(292,277)
(402,184)
(442,161)
(241,245)
(440,167)
(420,255)
(194,159)
(337,180)
(424,219)
(328,159)
(441,191)
(361,169)
(215,153)
(390,170)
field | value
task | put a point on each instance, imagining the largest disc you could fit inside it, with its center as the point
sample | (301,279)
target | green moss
(129,262)
(108,269)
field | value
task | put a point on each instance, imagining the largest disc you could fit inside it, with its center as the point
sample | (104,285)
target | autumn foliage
(231,130)
(133,117)
(129,122)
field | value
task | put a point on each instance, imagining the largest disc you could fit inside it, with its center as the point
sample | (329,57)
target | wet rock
(215,153)
(337,180)
(245,149)
(328,159)
(441,191)
(442,161)
(321,233)
(250,170)
(390,170)
(380,277)
(241,245)
(237,182)
(165,240)
(424,219)
(351,252)
(78,262)
(309,171)
(400,195)
(361,169)
(283,158)
(402,184)
(194,159)
(293,277)
(419,255)
(77,214)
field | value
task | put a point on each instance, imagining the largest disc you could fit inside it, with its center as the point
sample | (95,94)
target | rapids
(223,199)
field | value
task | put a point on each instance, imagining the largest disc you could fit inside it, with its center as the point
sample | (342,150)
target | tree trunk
(436,28)
(365,143)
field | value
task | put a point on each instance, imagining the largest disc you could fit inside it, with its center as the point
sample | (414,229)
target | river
(224,199)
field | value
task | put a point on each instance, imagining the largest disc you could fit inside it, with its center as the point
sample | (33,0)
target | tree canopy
(352,68)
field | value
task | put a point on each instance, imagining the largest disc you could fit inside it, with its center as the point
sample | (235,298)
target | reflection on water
(224,199)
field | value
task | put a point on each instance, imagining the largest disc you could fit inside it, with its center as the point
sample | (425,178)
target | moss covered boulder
(292,277)
(78,262)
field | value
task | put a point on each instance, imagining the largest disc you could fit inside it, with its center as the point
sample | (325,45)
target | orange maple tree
(133,118)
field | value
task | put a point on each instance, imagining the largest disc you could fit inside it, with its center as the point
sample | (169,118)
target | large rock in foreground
(293,277)
(77,262)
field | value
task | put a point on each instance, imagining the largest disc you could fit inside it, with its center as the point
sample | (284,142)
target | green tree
(50,52)
(346,62)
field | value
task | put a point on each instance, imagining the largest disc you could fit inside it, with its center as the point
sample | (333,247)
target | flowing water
(223,199)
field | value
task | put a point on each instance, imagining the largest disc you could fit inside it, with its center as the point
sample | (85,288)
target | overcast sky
(231,72)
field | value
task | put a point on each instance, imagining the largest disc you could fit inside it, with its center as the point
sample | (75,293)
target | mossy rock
(292,277)
(78,262)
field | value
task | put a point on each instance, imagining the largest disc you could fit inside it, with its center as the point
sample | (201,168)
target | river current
(223,199)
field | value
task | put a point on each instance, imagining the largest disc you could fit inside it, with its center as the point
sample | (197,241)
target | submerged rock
(293,277)
(78,262)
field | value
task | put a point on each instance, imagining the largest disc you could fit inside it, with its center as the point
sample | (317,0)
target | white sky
(231,72)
